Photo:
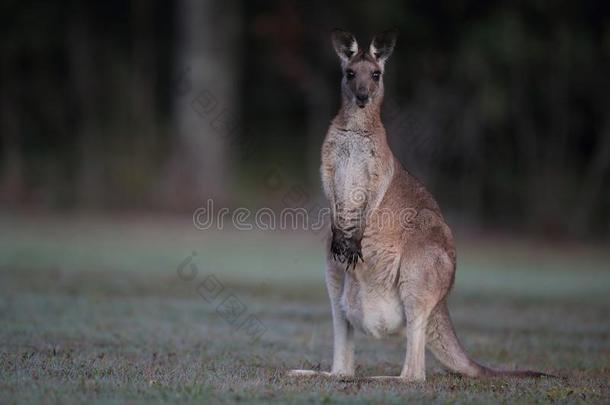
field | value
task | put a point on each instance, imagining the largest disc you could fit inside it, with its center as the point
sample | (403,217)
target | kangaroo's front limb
(349,209)
(345,184)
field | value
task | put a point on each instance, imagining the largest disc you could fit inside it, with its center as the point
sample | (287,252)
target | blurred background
(500,108)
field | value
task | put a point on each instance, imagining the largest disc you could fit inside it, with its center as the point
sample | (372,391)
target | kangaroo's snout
(362,99)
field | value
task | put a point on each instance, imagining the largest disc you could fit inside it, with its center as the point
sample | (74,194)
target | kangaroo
(391,257)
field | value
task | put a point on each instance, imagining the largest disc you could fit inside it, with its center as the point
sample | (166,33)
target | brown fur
(384,275)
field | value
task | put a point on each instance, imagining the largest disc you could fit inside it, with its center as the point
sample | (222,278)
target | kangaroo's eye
(349,73)
(376,75)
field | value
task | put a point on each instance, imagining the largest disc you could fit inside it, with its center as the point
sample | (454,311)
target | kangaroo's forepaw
(353,253)
(346,250)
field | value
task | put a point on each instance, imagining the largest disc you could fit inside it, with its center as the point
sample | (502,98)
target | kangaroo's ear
(382,45)
(345,44)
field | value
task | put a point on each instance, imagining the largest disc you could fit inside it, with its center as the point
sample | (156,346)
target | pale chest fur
(353,165)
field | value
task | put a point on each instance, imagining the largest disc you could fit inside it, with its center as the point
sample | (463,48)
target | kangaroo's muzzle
(361,100)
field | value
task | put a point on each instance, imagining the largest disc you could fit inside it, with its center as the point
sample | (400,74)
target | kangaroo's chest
(354,166)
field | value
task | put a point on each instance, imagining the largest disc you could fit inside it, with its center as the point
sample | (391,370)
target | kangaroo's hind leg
(417,312)
(425,281)
(343,331)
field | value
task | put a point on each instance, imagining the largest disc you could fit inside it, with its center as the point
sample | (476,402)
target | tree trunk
(205,102)
(12,179)
(85,92)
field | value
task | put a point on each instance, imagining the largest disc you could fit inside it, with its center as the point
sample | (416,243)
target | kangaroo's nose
(362,97)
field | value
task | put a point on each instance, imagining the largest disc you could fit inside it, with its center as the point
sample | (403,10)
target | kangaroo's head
(362,82)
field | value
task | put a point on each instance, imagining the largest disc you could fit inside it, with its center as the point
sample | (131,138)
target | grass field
(100,310)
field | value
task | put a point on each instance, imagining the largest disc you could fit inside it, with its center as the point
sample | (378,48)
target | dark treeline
(501,108)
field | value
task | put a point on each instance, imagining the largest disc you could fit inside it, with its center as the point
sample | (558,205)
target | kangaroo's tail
(444,344)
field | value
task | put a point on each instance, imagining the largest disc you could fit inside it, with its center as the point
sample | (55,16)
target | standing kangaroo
(391,257)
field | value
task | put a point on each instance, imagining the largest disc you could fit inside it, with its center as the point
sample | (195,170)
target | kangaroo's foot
(316,373)
(397,378)
(308,373)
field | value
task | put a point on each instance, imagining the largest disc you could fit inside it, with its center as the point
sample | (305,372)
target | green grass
(94,310)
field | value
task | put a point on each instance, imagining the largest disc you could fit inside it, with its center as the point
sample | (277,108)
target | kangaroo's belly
(373,309)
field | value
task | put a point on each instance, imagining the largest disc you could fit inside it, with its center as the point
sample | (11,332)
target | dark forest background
(501,108)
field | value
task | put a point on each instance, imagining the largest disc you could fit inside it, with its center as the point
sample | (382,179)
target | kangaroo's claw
(345,249)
